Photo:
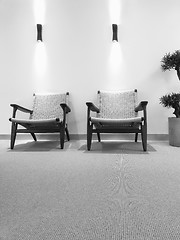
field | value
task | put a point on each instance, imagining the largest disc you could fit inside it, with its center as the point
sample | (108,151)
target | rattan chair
(117,112)
(48,115)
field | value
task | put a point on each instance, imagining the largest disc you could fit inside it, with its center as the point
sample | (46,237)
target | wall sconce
(115,31)
(39,32)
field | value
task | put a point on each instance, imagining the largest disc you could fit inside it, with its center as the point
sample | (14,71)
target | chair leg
(67,133)
(13,134)
(34,136)
(136,137)
(99,138)
(89,137)
(62,135)
(144,137)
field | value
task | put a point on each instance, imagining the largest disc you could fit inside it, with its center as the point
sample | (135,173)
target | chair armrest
(142,106)
(65,107)
(22,109)
(92,107)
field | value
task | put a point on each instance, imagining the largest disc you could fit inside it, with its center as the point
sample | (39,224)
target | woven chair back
(117,104)
(47,106)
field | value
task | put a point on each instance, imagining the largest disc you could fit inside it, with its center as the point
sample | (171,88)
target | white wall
(79,56)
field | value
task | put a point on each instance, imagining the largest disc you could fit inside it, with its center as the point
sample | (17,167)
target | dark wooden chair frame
(58,126)
(103,129)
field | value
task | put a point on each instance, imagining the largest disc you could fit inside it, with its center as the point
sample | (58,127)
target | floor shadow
(114,147)
(39,146)
(110,147)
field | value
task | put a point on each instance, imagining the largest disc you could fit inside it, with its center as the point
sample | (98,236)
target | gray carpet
(75,194)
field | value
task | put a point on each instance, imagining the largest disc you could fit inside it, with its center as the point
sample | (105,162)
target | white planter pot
(174,131)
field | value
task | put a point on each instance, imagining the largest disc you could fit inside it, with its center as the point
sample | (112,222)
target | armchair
(48,115)
(117,112)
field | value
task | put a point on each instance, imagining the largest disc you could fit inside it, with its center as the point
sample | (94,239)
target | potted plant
(171,61)
(172,100)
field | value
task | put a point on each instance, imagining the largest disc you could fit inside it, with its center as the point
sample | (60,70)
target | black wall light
(115,31)
(39,32)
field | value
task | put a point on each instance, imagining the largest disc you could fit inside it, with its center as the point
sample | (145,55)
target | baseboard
(122,136)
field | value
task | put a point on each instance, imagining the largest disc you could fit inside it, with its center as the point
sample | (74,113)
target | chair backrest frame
(47,106)
(117,104)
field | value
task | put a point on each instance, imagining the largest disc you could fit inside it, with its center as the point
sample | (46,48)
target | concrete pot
(174,131)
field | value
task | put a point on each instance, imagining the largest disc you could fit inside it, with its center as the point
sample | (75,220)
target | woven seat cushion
(109,121)
(35,122)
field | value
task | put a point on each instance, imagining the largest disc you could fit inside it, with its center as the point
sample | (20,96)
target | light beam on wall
(115,60)
(40,66)
(115,11)
(39,11)
(116,68)
(40,55)
(40,59)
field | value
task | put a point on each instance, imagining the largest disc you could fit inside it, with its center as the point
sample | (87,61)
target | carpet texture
(75,194)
